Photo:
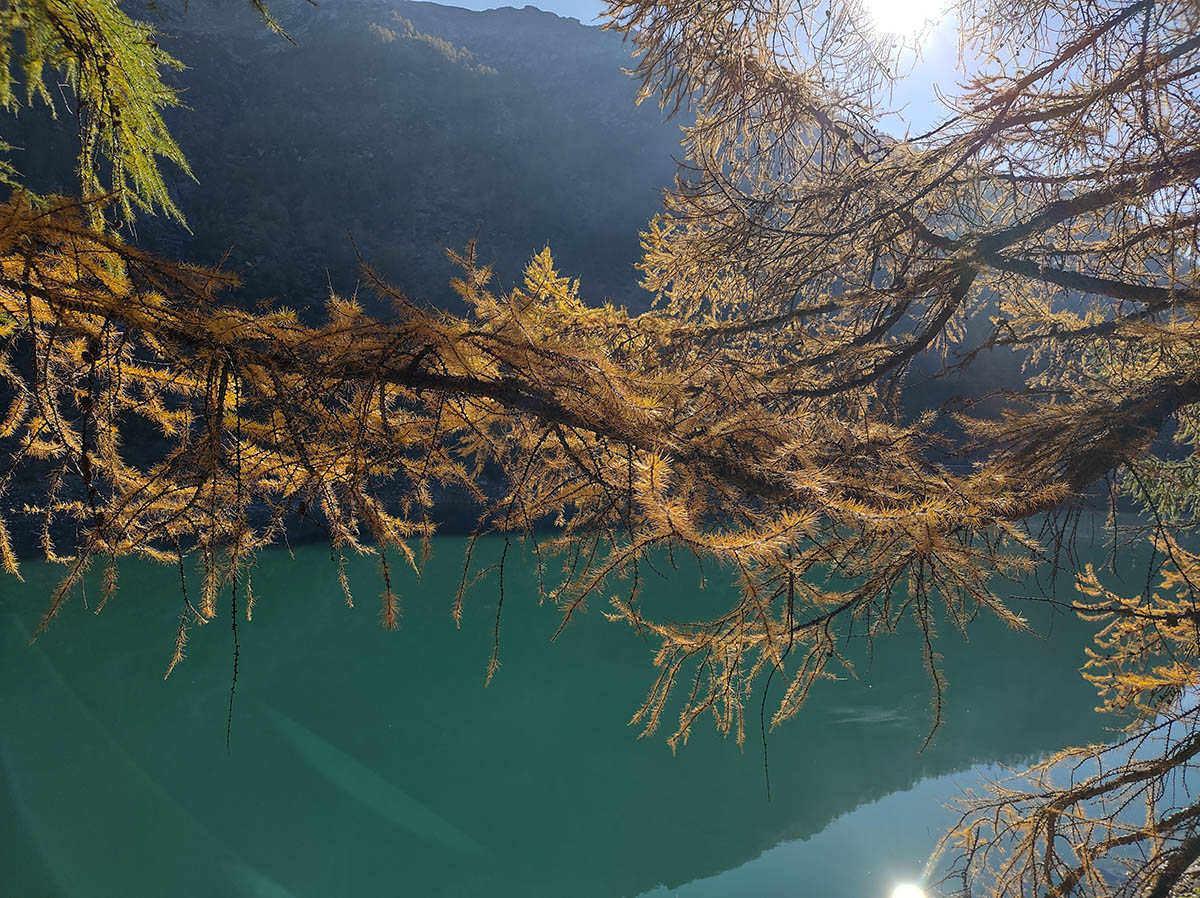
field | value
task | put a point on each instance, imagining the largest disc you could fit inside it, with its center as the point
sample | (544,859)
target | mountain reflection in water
(366,762)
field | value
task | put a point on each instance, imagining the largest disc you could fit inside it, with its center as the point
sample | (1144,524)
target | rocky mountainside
(401,128)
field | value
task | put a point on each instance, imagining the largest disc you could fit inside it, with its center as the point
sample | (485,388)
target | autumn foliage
(761,416)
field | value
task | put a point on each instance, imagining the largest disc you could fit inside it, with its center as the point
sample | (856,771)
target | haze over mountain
(406,127)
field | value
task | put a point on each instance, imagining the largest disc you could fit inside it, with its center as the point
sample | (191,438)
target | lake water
(367,762)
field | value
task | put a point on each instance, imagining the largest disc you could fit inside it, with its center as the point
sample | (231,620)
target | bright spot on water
(908,890)
(903,17)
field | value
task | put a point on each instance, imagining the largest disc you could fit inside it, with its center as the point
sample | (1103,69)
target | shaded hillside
(408,127)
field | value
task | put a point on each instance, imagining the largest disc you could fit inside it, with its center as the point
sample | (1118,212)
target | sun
(908,890)
(904,17)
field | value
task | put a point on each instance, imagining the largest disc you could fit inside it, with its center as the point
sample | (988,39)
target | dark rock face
(402,128)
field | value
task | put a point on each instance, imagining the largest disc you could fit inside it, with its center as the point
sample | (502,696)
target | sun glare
(908,890)
(904,17)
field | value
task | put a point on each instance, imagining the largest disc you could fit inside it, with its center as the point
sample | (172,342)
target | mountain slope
(408,127)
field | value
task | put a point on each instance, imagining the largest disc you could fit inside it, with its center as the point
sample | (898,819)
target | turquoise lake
(367,762)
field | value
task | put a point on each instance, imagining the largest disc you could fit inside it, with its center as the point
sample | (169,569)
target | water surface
(367,762)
